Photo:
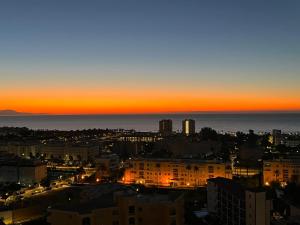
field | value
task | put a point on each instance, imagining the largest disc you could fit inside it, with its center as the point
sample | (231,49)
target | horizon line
(17,113)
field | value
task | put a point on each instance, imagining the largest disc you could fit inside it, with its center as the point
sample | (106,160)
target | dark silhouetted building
(234,204)
(165,127)
(277,138)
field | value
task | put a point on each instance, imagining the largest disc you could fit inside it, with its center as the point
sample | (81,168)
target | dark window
(115,212)
(173,222)
(131,209)
(86,221)
(172,211)
(131,221)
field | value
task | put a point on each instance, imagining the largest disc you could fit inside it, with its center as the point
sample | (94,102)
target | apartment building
(23,150)
(234,204)
(107,165)
(175,173)
(245,171)
(19,170)
(69,152)
(122,208)
(165,127)
(140,137)
(281,170)
(66,152)
(188,127)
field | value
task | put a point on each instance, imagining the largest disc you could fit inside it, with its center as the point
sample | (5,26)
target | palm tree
(277,174)
(188,167)
(196,169)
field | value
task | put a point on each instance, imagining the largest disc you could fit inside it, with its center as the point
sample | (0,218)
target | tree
(265,141)
(252,139)
(240,138)
(208,133)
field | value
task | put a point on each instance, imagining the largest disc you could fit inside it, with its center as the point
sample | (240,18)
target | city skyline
(63,57)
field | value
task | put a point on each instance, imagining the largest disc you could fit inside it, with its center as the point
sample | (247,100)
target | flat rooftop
(233,186)
(177,160)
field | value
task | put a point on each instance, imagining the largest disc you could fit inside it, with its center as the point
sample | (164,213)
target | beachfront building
(165,127)
(188,127)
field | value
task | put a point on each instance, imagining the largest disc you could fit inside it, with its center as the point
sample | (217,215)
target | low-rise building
(175,173)
(19,170)
(245,171)
(23,150)
(69,152)
(140,137)
(281,170)
(121,208)
(62,151)
(107,165)
(293,143)
(233,204)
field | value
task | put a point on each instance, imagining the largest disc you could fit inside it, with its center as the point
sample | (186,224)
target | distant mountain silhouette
(9,112)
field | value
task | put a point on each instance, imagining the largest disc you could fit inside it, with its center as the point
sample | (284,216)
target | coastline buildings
(281,170)
(122,208)
(165,127)
(234,204)
(175,173)
(188,126)
(140,137)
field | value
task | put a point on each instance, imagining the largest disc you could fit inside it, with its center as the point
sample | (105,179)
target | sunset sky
(93,57)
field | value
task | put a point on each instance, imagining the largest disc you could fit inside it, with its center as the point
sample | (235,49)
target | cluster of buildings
(19,170)
(187,173)
(278,138)
(58,151)
(140,137)
(166,127)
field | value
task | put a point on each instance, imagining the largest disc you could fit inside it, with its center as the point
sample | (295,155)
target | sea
(224,122)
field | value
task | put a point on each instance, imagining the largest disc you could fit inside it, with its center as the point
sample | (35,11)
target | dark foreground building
(122,208)
(234,204)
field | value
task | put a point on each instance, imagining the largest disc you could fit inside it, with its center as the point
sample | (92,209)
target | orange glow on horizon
(141,101)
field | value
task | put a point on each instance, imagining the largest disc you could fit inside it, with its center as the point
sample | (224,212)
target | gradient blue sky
(231,48)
